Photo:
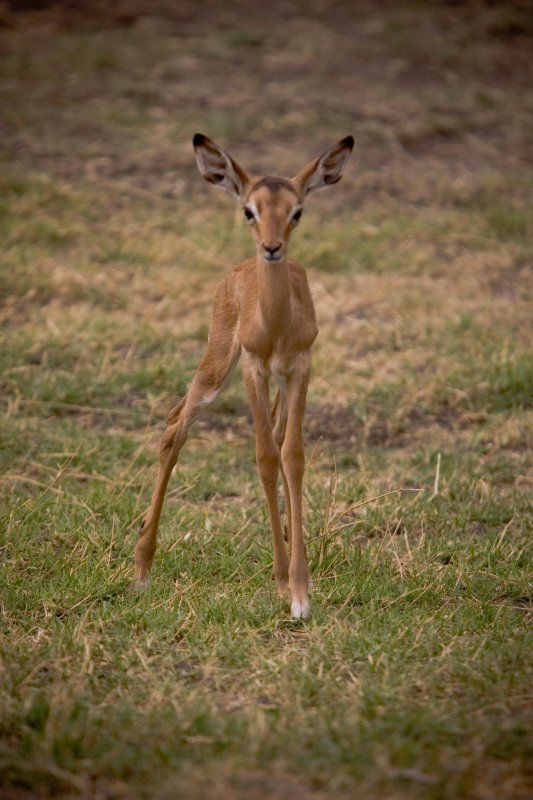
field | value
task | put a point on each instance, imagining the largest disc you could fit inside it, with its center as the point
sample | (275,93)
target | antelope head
(272,206)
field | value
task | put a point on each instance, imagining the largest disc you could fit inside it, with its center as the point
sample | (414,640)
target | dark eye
(249,215)
(297,214)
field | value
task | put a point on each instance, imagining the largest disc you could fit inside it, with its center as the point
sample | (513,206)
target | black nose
(272,250)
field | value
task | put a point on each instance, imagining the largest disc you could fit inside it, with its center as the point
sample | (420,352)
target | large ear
(326,170)
(217,167)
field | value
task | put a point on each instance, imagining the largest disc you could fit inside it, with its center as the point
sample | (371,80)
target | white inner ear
(315,182)
(337,168)
(208,163)
(217,167)
(327,174)
(326,170)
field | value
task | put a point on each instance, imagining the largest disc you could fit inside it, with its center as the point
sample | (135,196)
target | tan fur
(263,310)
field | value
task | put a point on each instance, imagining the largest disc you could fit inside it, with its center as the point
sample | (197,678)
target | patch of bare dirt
(262,786)
(331,422)
(367,82)
(22,794)
(88,790)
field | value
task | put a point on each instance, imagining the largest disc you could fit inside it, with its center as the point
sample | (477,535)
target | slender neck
(274,292)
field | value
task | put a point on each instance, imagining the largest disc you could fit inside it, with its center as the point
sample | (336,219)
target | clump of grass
(508,223)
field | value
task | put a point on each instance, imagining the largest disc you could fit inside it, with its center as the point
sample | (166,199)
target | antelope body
(264,311)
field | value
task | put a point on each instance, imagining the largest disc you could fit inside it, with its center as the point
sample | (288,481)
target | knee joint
(268,464)
(293,460)
(171,441)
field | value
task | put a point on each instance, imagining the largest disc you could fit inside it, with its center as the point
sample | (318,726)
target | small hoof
(300,610)
(140,584)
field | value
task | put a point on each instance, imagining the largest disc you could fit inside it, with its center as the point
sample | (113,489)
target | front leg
(279,422)
(268,463)
(293,460)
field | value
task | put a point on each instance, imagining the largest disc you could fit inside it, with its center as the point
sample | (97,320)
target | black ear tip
(198,139)
(348,141)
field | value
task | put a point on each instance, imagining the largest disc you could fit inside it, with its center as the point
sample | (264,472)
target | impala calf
(264,310)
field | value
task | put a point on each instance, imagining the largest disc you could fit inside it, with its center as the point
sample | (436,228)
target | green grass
(412,677)
(417,646)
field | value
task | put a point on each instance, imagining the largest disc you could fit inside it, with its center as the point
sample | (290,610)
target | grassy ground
(411,679)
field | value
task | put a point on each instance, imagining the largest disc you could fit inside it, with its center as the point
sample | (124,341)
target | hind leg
(172,441)
(213,373)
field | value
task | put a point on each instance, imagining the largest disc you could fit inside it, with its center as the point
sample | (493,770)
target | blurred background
(411,679)
(432,91)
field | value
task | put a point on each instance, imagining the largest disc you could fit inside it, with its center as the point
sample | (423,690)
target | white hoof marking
(300,610)
(142,583)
